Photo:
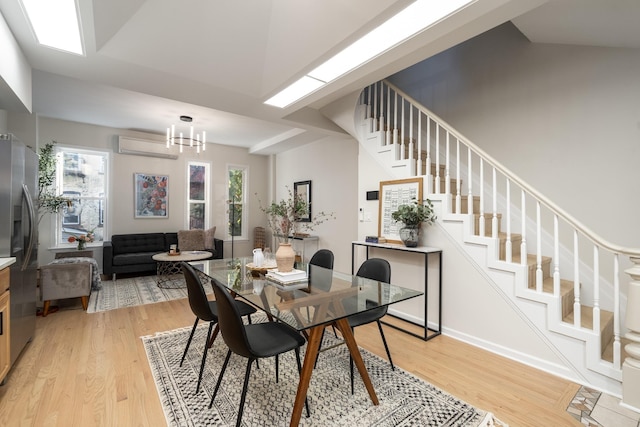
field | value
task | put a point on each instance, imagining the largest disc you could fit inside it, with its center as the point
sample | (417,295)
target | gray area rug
(405,400)
(134,291)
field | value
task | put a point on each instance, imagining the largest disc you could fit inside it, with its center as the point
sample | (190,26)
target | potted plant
(82,239)
(412,216)
(282,217)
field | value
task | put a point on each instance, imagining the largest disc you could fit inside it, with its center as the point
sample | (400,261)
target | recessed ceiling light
(55,23)
(410,21)
(295,91)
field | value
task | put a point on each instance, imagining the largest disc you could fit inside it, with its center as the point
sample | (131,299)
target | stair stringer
(386,155)
(578,347)
(571,345)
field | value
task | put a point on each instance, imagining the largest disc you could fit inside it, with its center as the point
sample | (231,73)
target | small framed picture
(302,191)
(151,195)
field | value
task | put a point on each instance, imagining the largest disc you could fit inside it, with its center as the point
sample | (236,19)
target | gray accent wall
(564,118)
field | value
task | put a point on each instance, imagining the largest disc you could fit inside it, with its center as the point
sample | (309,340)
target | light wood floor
(91,370)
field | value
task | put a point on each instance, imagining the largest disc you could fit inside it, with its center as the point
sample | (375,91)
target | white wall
(331,165)
(473,310)
(564,118)
(120,208)
(15,73)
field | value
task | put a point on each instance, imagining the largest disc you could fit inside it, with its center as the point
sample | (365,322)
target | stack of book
(375,239)
(293,279)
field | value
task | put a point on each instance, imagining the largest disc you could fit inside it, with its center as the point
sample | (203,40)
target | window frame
(207,192)
(102,202)
(244,230)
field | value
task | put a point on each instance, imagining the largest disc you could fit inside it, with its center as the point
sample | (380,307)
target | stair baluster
(544,283)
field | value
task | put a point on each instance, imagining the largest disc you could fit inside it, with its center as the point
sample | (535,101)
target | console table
(427,251)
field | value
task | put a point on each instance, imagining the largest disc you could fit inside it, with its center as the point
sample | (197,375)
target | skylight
(416,17)
(55,23)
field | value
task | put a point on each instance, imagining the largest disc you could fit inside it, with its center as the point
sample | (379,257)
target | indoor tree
(48,200)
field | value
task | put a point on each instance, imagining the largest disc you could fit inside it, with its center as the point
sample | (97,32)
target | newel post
(631,365)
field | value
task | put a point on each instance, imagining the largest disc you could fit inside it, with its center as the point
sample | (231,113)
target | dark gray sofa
(132,253)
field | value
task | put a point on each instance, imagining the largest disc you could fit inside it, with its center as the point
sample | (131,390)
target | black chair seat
(244,308)
(270,338)
(366,317)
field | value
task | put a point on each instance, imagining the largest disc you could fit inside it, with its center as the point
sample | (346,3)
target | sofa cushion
(135,243)
(191,240)
(209,243)
(133,258)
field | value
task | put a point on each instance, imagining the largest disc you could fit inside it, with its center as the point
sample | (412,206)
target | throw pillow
(209,244)
(191,240)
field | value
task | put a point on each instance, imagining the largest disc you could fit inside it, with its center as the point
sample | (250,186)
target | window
(198,199)
(82,178)
(236,222)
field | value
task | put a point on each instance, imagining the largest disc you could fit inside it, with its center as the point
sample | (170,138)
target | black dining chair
(207,311)
(321,279)
(253,341)
(322,258)
(375,269)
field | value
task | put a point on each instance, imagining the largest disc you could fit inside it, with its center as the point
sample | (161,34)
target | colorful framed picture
(151,196)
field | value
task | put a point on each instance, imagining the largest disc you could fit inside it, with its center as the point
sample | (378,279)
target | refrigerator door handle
(32,224)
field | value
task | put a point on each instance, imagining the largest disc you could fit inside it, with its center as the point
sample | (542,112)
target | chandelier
(186,140)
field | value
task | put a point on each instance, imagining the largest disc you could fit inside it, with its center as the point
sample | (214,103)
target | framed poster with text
(393,194)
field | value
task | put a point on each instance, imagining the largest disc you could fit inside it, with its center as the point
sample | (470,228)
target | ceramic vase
(285,257)
(410,235)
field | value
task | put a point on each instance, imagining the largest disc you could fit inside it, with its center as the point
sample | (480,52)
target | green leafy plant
(415,213)
(283,216)
(48,199)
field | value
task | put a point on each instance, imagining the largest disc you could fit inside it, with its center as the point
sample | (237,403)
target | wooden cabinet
(5,351)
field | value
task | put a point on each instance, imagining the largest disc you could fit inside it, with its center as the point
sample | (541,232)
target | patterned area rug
(129,292)
(405,400)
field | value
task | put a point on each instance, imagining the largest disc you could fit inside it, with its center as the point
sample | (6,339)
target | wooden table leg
(347,335)
(313,345)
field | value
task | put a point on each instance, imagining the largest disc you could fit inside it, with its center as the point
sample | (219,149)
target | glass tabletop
(318,297)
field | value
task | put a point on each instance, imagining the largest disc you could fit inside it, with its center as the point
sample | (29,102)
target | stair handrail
(588,233)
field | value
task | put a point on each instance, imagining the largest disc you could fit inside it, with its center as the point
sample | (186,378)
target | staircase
(557,267)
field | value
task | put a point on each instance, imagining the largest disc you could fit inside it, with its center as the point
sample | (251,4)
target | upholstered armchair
(71,275)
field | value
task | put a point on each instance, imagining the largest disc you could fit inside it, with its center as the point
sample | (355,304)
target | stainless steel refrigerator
(19,235)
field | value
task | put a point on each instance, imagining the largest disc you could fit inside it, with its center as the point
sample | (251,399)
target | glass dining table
(324,298)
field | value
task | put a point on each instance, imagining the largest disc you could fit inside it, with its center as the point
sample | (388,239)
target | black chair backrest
(319,278)
(197,296)
(230,322)
(375,269)
(323,258)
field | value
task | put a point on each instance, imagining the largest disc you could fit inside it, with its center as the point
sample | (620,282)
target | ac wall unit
(141,147)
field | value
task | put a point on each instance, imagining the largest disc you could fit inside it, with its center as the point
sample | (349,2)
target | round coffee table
(169,266)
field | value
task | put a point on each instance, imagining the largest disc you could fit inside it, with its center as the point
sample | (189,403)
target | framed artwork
(302,191)
(151,196)
(393,194)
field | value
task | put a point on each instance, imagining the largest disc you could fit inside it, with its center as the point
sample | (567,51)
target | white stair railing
(564,244)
